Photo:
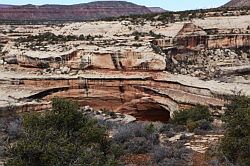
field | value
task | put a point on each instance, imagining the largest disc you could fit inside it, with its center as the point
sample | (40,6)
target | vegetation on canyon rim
(236,143)
(65,136)
(48,36)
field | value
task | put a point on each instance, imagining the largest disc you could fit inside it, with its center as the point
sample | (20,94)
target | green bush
(191,125)
(236,143)
(137,37)
(196,117)
(196,113)
(204,125)
(61,137)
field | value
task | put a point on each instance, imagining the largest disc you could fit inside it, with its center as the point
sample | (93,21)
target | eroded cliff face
(143,98)
(229,41)
(132,59)
(123,68)
(194,37)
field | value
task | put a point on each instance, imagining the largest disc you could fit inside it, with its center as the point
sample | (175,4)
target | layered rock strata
(146,98)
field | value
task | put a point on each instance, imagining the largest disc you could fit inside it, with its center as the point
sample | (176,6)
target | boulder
(58,72)
(183,71)
(129,119)
(65,70)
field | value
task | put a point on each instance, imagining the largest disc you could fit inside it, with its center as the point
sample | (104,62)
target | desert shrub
(43,65)
(156,36)
(204,125)
(201,125)
(62,136)
(215,156)
(137,37)
(181,153)
(137,44)
(13,127)
(175,154)
(236,143)
(136,138)
(153,138)
(125,132)
(52,38)
(117,150)
(150,128)
(172,162)
(180,117)
(166,127)
(191,125)
(159,153)
(138,145)
(156,49)
(169,134)
(180,128)
(196,117)
(194,114)
(172,128)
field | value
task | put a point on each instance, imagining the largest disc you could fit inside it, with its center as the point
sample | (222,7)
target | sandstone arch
(146,109)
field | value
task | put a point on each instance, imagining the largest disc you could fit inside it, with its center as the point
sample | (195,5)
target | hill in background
(85,11)
(238,3)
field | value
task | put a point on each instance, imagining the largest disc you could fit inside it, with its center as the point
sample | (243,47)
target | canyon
(147,69)
(132,68)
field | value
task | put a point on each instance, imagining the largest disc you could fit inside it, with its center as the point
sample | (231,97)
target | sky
(174,5)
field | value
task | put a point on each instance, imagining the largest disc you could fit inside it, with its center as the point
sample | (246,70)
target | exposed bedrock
(145,109)
(145,99)
(143,59)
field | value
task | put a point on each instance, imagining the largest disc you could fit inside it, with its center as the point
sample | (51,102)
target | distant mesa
(238,3)
(5,6)
(77,12)
(157,10)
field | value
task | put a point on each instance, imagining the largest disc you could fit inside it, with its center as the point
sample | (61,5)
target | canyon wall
(197,42)
(143,98)
(81,59)
(195,38)
(229,41)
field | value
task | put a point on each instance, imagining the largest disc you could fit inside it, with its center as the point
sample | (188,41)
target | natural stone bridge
(147,96)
